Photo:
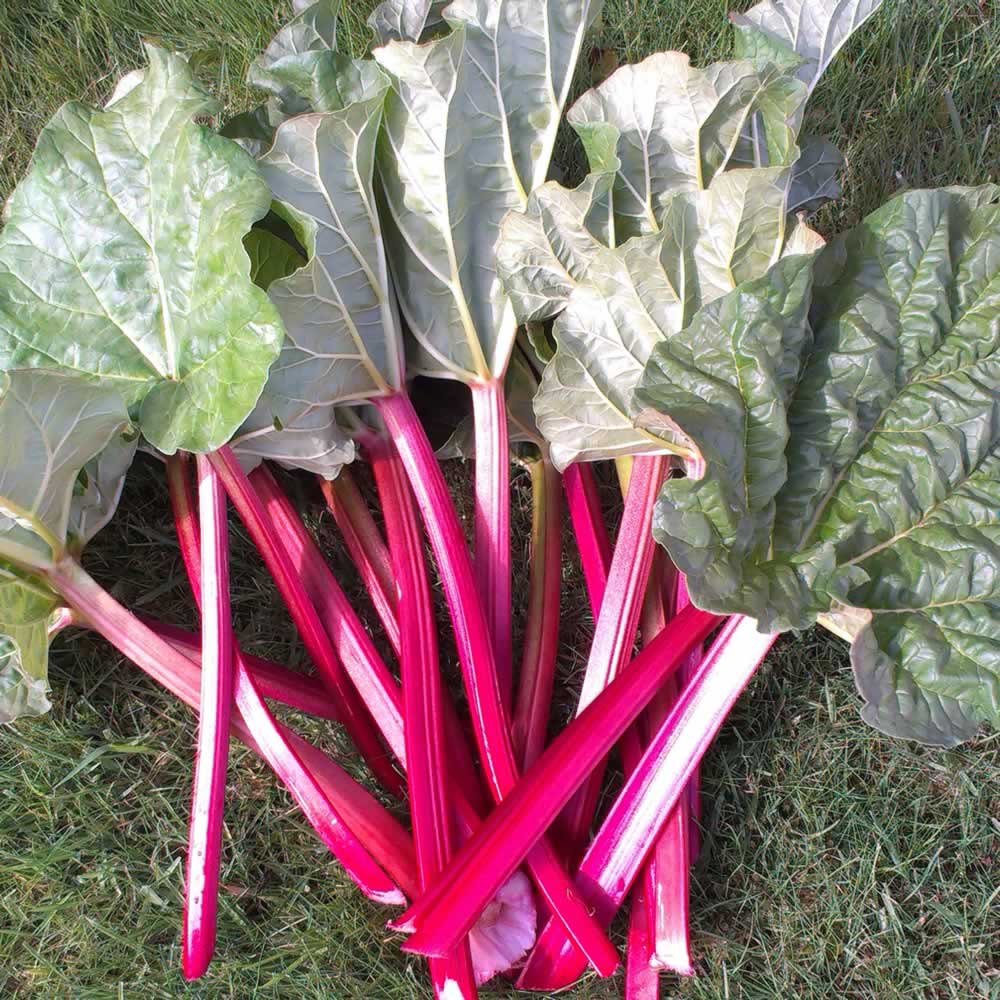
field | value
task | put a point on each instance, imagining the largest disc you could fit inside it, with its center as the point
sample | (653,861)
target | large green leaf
(675,127)
(343,341)
(890,501)
(406,20)
(634,296)
(812,31)
(469,131)
(313,441)
(546,250)
(121,260)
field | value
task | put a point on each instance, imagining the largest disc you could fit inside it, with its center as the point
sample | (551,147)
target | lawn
(836,863)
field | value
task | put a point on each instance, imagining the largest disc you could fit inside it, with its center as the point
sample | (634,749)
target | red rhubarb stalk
(365,546)
(541,627)
(591,532)
(201,890)
(427,759)
(489,719)
(642,981)
(367,670)
(492,521)
(271,741)
(272,548)
(645,803)
(274,681)
(614,634)
(443,915)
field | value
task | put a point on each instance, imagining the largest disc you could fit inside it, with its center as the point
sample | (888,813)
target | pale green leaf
(271,257)
(545,251)
(25,607)
(634,296)
(343,342)
(122,260)
(98,489)
(295,62)
(313,441)
(469,131)
(406,20)
(677,127)
(815,30)
(51,426)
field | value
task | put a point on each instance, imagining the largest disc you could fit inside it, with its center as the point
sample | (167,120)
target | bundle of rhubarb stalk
(803,431)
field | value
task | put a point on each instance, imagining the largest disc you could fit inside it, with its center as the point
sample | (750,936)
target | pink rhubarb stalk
(621,845)
(367,549)
(362,829)
(489,719)
(614,634)
(270,739)
(665,883)
(642,980)
(492,521)
(201,891)
(367,670)
(427,759)
(273,550)
(541,627)
(590,531)
(444,914)
(274,681)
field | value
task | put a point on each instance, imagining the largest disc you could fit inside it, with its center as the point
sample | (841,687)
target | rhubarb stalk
(367,670)
(492,521)
(637,817)
(614,634)
(271,740)
(489,719)
(201,890)
(303,612)
(365,546)
(592,541)
(541,627)
(443,915)
(427,759)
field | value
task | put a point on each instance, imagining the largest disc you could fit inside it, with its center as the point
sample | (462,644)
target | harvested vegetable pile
(809,430)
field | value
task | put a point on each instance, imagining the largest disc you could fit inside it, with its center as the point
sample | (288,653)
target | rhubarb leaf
(312,441)
(295,66)
(26,606)
(271,258)
(814,176)
(406,20)
(121,260)
(634,296)
(53,425)
(676,127)
(98,489)
(807,32)
(545,250)
(890,500)
(469,129)
(342,333)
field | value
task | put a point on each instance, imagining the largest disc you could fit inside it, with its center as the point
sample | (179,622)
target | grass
(837,863)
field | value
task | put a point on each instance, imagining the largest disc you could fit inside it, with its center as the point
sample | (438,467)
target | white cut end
(505,931)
